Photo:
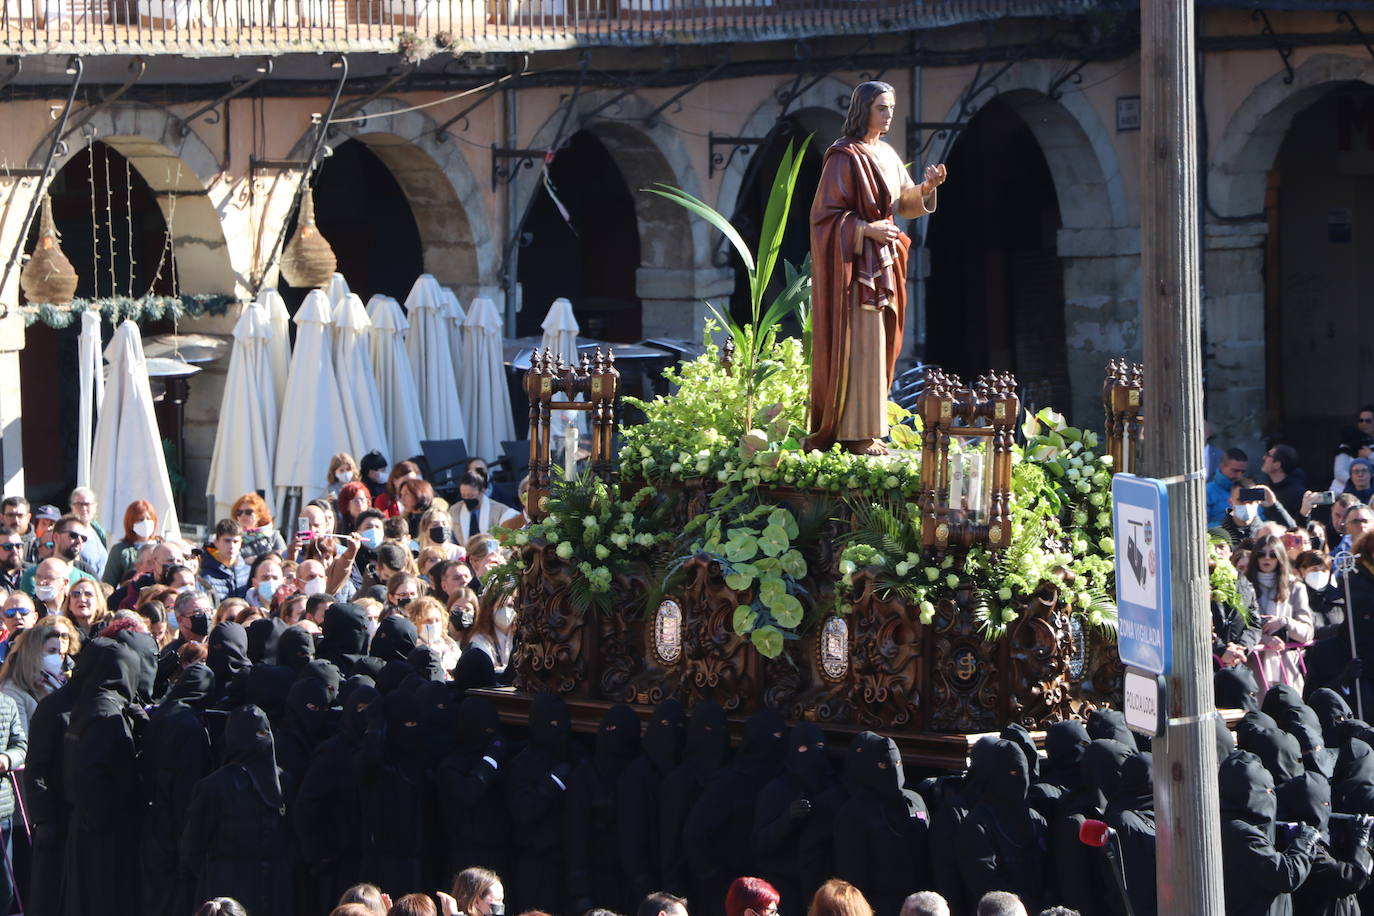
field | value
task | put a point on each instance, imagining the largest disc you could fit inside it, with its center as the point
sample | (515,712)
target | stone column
(1233,323)
(1101,310)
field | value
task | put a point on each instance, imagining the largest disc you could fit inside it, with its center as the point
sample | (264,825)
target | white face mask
(1317,578)
(313,586)
(144,527)
(45,592)
(372,626)
(432,633)
(344,475)
(53,663)
(1245,513)
(504,616)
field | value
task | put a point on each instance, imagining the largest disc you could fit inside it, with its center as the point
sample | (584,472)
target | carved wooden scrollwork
(1039,646)
(964,672)
(886,659)
(557,649)
(717,663)
(619,639)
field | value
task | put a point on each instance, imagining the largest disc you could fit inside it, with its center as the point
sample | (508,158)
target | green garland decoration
(115,309)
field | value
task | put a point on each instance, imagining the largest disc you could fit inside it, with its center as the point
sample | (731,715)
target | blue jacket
(1218,498)
(219,581)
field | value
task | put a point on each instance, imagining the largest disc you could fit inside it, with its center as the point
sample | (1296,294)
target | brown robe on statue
(858,290)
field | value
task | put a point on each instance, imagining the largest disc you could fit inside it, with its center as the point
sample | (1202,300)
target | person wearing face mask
(794,818)
(1245,516)
(476,892)
(476,512)
(342,470)
(493,631)
(265,578)
(436,530)
(880,831)
(51,579)
(236,840)
(431,622)
(193,612)
(1285,617)
(402,589)
(370,533)
(311,578)
(140,527)
(32,669)
(1000,844)
(372,473)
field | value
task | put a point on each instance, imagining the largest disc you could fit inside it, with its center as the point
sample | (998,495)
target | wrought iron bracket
(521,159)
(651,119)
(1285,51)
(441,132)
(797,91)
(138,66)
(238,86)
(1355,30)
(742,145)
(1074,75)
(395,74)
(937,128)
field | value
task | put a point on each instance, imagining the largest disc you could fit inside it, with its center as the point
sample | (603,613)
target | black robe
(1131,813)
(1258,877)
(1340,866)
(537,797)
(227,655)
(471,784)
(397,805)
(100,779)
(640,795)
(708,742)
(1082,874)
(593,845)
(175,756)
(720,829)
(344,636)
(304,726)
(1000,845)
(946,822)
(236,840)
(881,830)
(794,820)
(1064,745)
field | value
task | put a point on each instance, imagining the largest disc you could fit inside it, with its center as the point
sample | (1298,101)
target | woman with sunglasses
(1286,624)
(85,607)
(259,536)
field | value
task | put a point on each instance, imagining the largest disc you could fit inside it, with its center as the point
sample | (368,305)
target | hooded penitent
(880,831)
(1258,876)
(344,638)
(1235,688)
(394,640)
(1276,749)
(1131,813)
(1064,745)
(639,796)
(537,797)
(471,787)
(1110,723)
(227,648)
(708,741)
(1080,871)
(263,638)
(999,844)
(1018,735)
(295,647)
(593,841)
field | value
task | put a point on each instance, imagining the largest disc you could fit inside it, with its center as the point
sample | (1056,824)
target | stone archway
(1097,245)
(674,273)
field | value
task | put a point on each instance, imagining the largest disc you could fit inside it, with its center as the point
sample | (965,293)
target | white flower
(902,569)
(589,521)
(644,451)
(676,468)
(602,551)
(564,550)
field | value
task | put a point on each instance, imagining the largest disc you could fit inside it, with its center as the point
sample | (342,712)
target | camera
(1325,498)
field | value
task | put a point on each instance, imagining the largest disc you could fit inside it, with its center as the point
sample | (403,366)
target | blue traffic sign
(1140,519)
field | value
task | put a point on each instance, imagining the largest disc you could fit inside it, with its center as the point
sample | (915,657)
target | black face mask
(400,602)
(461,618)
(439,534)
(473,503)
(200,623)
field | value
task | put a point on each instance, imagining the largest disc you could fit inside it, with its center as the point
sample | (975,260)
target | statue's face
(880,113)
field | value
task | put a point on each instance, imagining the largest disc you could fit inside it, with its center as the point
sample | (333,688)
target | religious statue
(858,281)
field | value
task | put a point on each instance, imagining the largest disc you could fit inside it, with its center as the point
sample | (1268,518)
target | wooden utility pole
(1185,760)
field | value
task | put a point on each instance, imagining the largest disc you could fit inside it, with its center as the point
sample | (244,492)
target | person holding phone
(1248,505)
(1286,624)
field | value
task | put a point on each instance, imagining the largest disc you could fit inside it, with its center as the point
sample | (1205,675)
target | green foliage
(115,309)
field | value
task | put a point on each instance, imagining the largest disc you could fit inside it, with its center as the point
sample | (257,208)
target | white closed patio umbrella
(482,387)
(246,437)
(456,316)
(91,377)
(279,350)
(127,439)
(362,405)
(312,427)
(560,337)
(431,358)
(336,291)
(405,426)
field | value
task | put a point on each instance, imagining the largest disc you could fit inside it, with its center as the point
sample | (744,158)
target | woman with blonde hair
(430,619)
(429,558)
(85,607)
(484,555)
(69,637)
(494,629)
(462,614)
(436,531)
(839,898)
(32,669)
(342,470)
(259,536)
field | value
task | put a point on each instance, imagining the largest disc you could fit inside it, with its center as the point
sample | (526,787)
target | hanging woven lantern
(48,278)
(308,261)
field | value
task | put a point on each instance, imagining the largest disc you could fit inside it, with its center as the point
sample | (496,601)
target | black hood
(550,725)
(1109,723)
(1225,740)
(617,740)
(352,683)
(227,649)
(295,647)
(248,744)
(394,640)
(808,757)
(873,766)
(427,663)
(264,637)
(665,736)
(406,735)
(1235,688)
(708,737)
(440,709)
(1102,762)
(1306,800)
(393,676)
(478,724)
(1304,725)
(307,710)
(1018,735)
(353,722)
(979,759)
(1136,792)
(1280,702)
(765,743)
(115,670)
(1246,790)
(267,688)
(367,666)
(194,688)
(1064,745)
(1007,777)
(1354,780)
(324,672)
(1332,710)
(1276,749)
(145,647)
(344,633)
(474,671)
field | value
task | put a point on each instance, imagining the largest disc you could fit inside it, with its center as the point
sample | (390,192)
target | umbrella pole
(290,508)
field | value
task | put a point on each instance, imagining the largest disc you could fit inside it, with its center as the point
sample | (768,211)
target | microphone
(1100,835)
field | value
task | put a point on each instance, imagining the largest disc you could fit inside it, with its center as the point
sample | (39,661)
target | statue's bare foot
(871,447)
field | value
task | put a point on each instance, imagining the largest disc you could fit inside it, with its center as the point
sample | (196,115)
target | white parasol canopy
(405,426)
(431,357)
(456,316)
(482,387)
(312,427)
(91,377)
(132,465)
(560,337)
(246,438)
(362,405)
(336,291)
(272,304)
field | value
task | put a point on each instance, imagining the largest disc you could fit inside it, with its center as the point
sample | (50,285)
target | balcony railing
(279,26)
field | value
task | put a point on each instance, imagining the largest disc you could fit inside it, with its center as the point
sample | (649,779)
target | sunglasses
(1267,555)
(246,512)
(16,611)
(10,547)
(76,536)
